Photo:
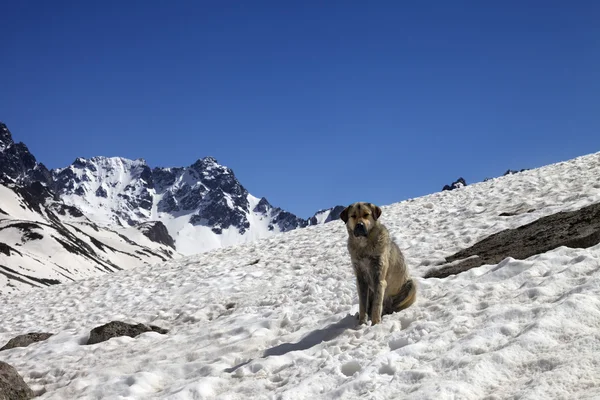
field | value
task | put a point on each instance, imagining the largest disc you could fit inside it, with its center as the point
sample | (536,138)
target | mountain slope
(44,242)
(203,206)
(275,318)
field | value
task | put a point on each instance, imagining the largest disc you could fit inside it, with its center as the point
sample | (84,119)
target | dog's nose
(360,229)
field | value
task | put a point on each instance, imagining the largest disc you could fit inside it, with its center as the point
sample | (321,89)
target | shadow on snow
(314,338)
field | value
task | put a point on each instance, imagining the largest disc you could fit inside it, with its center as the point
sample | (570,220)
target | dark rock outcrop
(286,221)
(575,229)
(460,182)
(157,232)
(334,214)
(12,385)
(514,171)
(25,340)
(263,206)
(64,210)
(117,328)
(18,163)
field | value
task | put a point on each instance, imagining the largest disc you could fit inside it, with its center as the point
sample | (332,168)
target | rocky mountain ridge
(202,206)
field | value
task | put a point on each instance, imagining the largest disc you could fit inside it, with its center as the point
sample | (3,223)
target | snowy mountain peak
(203,205)
(109,189)
(18,163)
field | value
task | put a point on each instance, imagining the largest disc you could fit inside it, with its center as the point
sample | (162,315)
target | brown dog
(382,279)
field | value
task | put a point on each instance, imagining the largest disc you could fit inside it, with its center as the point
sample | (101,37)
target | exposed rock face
(117,328)
(157,232)
(206,190)
(335,212)
(324,216)
(577,229)
(25,340)
(514,171)
(460,182)
(283,220)
(12,385)
(18,163)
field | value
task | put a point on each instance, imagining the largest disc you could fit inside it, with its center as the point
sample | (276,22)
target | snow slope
(274,319)
(41,247)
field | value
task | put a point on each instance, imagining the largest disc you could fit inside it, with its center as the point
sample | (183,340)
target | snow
(527,329)
(117,176)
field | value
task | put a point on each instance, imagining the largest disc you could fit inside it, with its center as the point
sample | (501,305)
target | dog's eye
(354,216)
(366,216)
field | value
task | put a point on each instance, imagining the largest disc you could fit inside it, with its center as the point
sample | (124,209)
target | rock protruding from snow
(575,229)
(328,215)
(515,171)
(281,220)
(118,328)
(460,182)
(157,232)
(25,340)
(12,385)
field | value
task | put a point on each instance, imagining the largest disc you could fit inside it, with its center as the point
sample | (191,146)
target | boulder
(12,385)
(575,229)
(25,340)
(117,328)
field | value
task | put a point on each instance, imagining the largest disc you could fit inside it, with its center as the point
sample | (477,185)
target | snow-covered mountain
(275,318)
(190,209)
(45,242)
(203,206)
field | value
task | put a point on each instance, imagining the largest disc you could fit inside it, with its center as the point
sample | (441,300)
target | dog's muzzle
(360,230)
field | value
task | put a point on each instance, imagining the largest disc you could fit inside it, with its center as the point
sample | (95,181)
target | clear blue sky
(312,104)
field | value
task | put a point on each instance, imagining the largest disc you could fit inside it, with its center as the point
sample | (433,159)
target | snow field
(274,319)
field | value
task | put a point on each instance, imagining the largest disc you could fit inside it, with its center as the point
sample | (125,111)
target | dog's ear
(376,211)
(344,214)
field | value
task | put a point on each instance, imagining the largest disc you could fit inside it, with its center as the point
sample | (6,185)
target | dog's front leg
(380,284)
(363,296)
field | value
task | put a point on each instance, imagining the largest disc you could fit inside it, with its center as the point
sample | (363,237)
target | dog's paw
(362,320)
(375,319)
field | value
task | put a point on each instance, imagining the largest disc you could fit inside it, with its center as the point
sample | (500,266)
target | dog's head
(360,218)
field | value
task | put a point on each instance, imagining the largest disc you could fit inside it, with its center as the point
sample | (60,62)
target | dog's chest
(363,267)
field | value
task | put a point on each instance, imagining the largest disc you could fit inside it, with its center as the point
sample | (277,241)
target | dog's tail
(406,297)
